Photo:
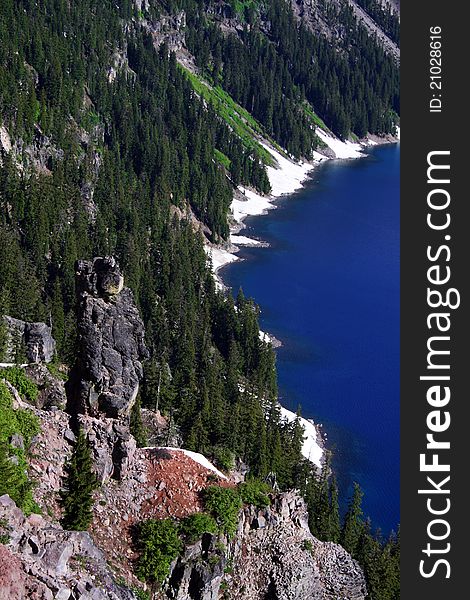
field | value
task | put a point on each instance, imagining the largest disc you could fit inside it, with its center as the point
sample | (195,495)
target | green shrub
(255,492)
(194,526)
(307,546)
(223,458)
(18,421)
(224,504)
(159,544)
(27,389)
(13,466)
(14,479)
(28,425)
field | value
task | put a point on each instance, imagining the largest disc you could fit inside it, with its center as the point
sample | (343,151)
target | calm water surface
(328,287)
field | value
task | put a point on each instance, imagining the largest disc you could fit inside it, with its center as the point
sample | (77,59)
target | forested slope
(109,147)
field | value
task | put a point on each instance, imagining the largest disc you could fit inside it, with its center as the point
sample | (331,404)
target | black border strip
(422,132)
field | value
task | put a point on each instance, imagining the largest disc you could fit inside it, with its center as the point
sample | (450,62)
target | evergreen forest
(114,152)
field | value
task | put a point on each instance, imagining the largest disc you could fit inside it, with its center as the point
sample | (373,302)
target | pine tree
(136,426)
(353,524)
(334,517)
(77,496)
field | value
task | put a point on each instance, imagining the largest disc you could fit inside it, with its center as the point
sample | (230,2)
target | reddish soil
(165,484)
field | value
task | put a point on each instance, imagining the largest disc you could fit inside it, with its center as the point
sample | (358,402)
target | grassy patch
(26,388)
(237,118)
(314,117)
(13,477)
(223,159)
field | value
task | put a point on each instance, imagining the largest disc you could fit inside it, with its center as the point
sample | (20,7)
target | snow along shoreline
(287,178)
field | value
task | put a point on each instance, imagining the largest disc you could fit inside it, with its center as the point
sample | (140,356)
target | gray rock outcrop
(32,340)
(112,445)
(105,378)
(273,555)
(276,556)
(42,561)
(198,574)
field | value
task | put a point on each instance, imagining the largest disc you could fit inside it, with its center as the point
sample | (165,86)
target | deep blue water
(328,288)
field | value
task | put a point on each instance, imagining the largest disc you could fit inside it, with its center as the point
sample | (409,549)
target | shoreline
(285,180)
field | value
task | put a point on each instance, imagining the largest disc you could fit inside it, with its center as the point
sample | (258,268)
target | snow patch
(264,337)
(340,148)
(242,240)
(199,458)
(202,460)
(5,140)
(288,176)
(252,204)
(219,258)
(285,178)
(311,448)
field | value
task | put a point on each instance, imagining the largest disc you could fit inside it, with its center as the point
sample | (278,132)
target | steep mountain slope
(126,129)
(380,19)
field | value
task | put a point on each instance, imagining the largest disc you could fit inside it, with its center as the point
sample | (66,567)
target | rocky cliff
(41,561)
(273,556)
(105,378)
(27,342)
(318,17)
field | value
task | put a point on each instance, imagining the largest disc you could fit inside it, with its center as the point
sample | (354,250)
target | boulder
(51,388)
(112,446)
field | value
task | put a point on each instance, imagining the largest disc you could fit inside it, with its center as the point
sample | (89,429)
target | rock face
(198,574)
(276,556)
(105,378)
(33,340)
(273,556)
(112,445)
(42,561)
(169,29)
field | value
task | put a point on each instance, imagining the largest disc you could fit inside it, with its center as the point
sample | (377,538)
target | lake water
(328,288)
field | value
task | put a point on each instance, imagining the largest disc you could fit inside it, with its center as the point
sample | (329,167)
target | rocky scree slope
(272,556)
(315,15)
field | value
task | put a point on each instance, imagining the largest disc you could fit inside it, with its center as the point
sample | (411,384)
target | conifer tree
(80,482)
(353,524)
(136,426)
(334,517)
